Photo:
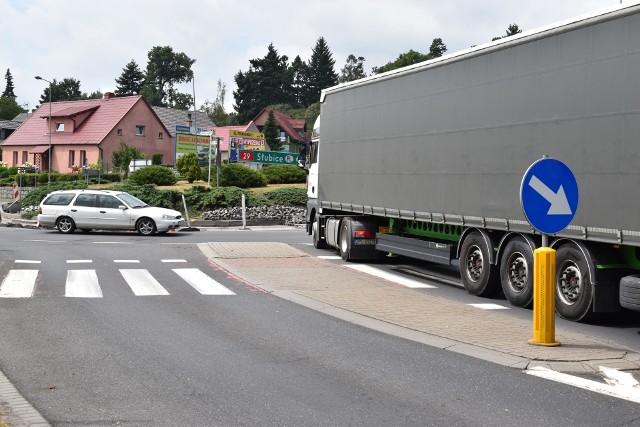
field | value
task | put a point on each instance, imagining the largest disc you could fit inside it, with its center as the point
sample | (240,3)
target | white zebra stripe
(142,283)
(19,284)
(82,284)
(201,282)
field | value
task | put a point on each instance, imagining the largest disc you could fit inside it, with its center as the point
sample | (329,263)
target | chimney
(189,121)
(108,95)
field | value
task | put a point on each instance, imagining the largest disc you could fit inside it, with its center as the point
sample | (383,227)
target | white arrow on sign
(559,201)
(619,384)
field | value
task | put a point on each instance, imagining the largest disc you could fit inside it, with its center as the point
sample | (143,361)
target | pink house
(84,132)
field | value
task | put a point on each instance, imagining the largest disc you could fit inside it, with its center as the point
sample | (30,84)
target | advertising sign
(196,144)
(247,140)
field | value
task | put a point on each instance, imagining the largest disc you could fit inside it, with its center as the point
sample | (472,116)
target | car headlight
(165,216)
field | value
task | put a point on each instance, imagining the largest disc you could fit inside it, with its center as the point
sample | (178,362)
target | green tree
(187,165)
(131,81)
(437,48)
(512,30)
(166,69)
(321,72)
(122,157)
(409,58)
(268,81)
(299,72)
(217,113)
(353,69)
(9,108)
(8,90)
(66,90)
(94,95)
(271,134)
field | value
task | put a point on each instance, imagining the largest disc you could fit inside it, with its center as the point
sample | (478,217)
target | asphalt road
(244,359)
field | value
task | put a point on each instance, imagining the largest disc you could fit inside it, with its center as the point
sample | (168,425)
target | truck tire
(630,292)
(345,238)
(516,273)
(478,275)
(574,290)
(318,243)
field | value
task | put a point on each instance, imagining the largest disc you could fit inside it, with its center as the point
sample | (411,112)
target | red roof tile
(107,115)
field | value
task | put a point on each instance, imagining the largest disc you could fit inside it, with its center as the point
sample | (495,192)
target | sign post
(549,198)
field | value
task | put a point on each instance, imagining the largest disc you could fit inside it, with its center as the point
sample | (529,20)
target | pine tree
(8,91)
(270,130)
(321,72)
(267,82)
(437,48)
(130,81)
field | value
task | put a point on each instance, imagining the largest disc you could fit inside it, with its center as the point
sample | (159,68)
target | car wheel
(146,227)
(345,239)
(65,225)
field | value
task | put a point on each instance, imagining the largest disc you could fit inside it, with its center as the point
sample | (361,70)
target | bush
(236,175)
(150,194)
(36,195)
(284,174)
(158,175)
(189,168)
(288,196)
(203,199)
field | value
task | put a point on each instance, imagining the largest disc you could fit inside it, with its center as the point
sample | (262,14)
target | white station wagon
(88,210)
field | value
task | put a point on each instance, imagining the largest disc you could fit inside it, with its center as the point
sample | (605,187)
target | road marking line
(79,261)
(82,284)
(626,392)
(409,283)
(488,306)
(27,261)
(173,260)
(18,284)
(330,257)
(142,282)
(123,261)
(201,282)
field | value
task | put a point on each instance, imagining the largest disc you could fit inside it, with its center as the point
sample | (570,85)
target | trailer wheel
(345,239)
(479,276)
(630,292)
(574,290)
(318,243)
(516,273)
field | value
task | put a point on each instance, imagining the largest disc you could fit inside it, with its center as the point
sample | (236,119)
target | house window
(59,127)
(72,158)
(15,158)
(83,158)
(25,157)
(160,135)
(119,131)
(139,130)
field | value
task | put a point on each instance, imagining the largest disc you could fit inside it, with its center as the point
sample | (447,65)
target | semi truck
(427,162)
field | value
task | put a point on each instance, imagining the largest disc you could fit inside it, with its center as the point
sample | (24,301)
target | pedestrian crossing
(84,282)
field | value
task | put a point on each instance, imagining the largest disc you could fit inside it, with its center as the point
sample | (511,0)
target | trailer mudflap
(441,253)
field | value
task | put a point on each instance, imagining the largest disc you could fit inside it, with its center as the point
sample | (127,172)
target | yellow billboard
(247,140)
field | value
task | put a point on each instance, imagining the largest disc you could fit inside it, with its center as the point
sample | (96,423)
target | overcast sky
(93,40)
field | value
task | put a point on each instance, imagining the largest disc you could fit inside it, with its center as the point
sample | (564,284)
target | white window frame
(139,130)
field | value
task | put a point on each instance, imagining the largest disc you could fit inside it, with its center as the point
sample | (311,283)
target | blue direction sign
(549,195)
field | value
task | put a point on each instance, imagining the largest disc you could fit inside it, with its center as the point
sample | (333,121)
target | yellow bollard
(544,298)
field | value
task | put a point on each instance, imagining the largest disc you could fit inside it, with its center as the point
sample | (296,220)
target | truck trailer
(427,162)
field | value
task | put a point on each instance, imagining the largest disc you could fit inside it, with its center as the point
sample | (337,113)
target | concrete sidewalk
(492,335)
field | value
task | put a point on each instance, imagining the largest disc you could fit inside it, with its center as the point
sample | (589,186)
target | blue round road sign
(549,195)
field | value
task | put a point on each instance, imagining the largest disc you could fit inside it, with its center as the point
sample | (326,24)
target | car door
(84,211)
(113,214)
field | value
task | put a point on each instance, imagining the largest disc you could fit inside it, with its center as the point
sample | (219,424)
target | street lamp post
(50,154)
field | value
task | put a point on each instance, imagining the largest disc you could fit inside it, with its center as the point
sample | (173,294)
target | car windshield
(133,202)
